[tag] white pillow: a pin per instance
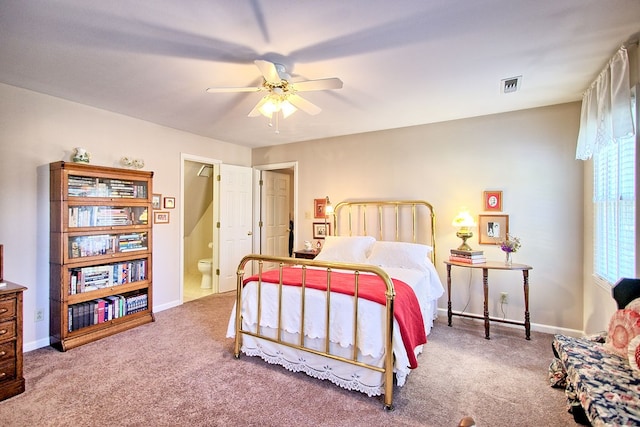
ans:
(400, 255)
(634, 305)
(352, 249)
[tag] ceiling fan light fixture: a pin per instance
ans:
(287, 109)
(268, 108)
(276, 104)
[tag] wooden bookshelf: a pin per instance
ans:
(100, 252)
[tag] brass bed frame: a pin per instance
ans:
(356, 213)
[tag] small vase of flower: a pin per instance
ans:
(509, 245)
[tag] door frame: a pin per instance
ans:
(257, 202)
(216, 199)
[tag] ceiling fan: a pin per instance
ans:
(281, 91)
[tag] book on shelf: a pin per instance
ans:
(467, 260)
(102, 310)
(460, 252)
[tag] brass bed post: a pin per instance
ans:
(328, 313)
(355, 315)
(280, 267)
(240, 275)
(388, 357)
(303, 303)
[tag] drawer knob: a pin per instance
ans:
(3, 374)
(2, 353)
(3, 331)
(3, 310)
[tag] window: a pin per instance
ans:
(614, 173)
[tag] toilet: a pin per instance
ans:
(204, 266)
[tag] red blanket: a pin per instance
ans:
(406, 309)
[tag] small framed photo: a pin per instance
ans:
(161, 217)
(319, 208)
(492, 201)
(155, 201)
(169, 202)
(321, 230)
(492, 229)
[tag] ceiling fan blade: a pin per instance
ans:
(268, 71)
(320, 84)
(304, 105)
(233, 89)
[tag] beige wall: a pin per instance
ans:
(529, 155)
(35, 130)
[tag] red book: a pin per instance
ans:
(468, 260)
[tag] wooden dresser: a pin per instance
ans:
(11, 377)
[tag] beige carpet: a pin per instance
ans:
(180, 370)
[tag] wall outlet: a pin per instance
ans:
(504, 298)
(38, 315)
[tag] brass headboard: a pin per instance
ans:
(398, 220)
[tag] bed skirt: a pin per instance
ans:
(345, 375)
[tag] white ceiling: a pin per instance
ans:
(403, 62)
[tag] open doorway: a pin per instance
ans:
(275, 208)
(198, 213)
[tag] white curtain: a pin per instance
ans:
(606, 108)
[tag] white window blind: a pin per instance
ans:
(615, 209)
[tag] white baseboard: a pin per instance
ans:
(166, 306)
(44, 342)
(537, 327)
(34, 345)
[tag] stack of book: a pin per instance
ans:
(467, 257)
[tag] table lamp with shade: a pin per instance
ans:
(328, 210)
(464, 221)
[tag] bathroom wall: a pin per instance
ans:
(196, 244)
(198, 216)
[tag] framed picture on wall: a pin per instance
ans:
(161, 217)
(319, 206)
(321, 230)
(155, 201)
(492, 229)
(492, 201)
(169, 202)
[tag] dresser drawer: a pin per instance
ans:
(7, 308)
(7, 330)
(7, 351)
(7, 370)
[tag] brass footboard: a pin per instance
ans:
(257, 262)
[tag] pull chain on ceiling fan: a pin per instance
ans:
(282, 94)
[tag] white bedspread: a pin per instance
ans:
(426, 285)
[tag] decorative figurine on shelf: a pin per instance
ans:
(81, 155)
(132, 163)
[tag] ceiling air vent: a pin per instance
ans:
(511, 84)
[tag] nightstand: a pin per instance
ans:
(492, 265)
(306, 254)
(11, 368)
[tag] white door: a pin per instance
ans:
(235, 222)
(276, 189)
